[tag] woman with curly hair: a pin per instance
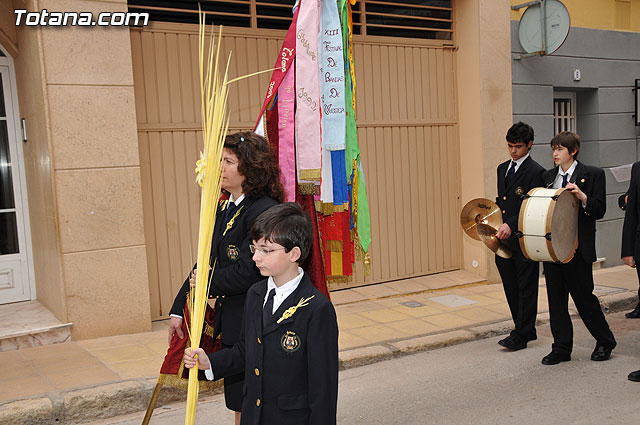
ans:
(251, 178)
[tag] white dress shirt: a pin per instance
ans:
(283, 291)
(236, 201)
(557, 183)
(518, 164)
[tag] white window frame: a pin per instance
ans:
(25, 256)
(564, 119)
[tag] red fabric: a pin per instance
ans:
(175, 352)
(335, 227)
(331, 226)
(283, 63)
(348, 252)
(313, 266)
(273, 136)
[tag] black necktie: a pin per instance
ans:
(228, 213)
(565, 177)
(512, 171)
(267, 310)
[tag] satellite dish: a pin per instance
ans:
(533, 37)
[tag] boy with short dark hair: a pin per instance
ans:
(631, 240)
(288, 346)
(516, 177)
(575, 278)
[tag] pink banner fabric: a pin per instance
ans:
(286, 147)
(283, 63)
(307, 123)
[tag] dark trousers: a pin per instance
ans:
(637, 260)
(520, 281)
(575, 278)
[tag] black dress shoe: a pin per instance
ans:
(513, 343)
(634, 376)
(503, 342)
(555, 358)
(601, 353)
(634, 314)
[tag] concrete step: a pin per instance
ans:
(30, 324)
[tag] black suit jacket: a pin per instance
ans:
(591, 181)
(291, 368)
(510, 197)
(631, 227)
(234, 271)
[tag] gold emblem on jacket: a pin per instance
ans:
(233, 252)
(290, 341)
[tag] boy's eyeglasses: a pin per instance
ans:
(262, 251)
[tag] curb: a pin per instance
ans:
(79, 406)
(124, 397)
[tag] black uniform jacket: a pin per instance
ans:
(234, 271)
(528, 176)
(291, 368)
(591, 181)
(631, 227)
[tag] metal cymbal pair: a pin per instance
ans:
(480, 219)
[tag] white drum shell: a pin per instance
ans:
(540, 217)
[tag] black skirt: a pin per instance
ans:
(233, 392)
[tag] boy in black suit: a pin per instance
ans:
(587, 184)
(631, 230)
(288, 346)
(631, 239)
(519, 275)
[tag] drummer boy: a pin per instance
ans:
(519, 276)
(587, 183)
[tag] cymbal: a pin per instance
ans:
(622, 201)
(479, 210)
(487, 235)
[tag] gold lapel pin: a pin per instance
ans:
(291, 310)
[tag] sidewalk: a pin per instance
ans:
(75, 382)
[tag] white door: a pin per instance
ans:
(14, 265)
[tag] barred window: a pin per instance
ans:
(225, 12)
(405, 18)
(564, 112)
(427, 19)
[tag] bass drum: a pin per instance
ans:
(548, 222)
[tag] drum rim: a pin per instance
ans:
(521, 215)
(575, 242)
(550, 210)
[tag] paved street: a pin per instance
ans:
(476, 383)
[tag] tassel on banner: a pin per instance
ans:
(339, 279)
(308, 189)
(329, 209)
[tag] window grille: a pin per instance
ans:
(426, 19)
(564, 112)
